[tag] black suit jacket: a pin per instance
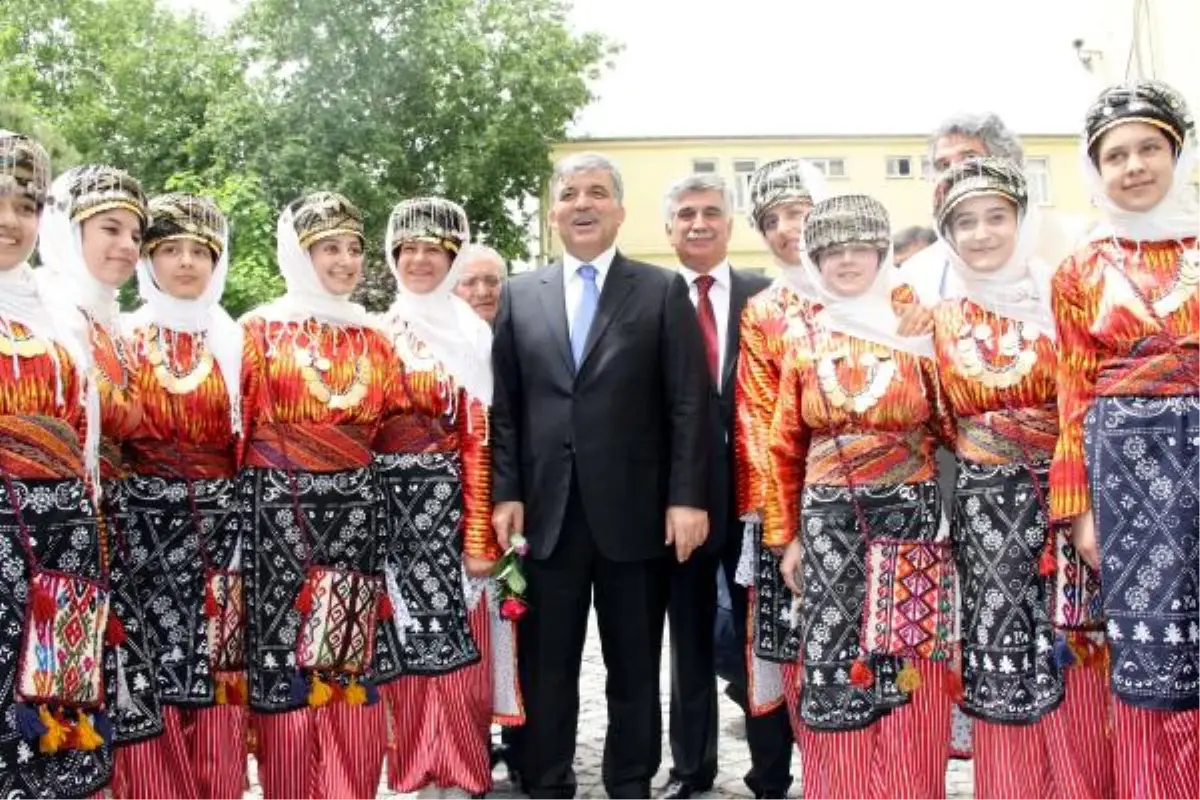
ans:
(722, 507)
(631, 424)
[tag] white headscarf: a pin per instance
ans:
(450, 328)
(202, 315)
(64, 273)
(1175, 217)
(305, 297)
(868, 316)
(1020, 289)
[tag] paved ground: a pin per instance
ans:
(733, 754)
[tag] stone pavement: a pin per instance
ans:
(732, 752)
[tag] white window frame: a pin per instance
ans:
(822, 165)
(710, 162)
(741, 182)
(895, 174)
(1037, 168)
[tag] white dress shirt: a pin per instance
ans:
(720, 294)
(573, 284)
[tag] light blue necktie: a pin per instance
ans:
(585, 312)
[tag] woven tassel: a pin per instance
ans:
(298, 690)
(114, 631)
(861, 675)
(909, 679)
(44, 605)
(320, 693)
(220, 696)
(235, 691)
(385, 606)
(86, 738)
(954, 686)
(1064, 654)
(304, 600)
(211, 609)
(372, 693)
(29, 722)
(336, 692)
(103, 726)
(356, 695)
(1047, 564)
(55, 737)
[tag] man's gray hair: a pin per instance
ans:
(585, 162)
(482, 251)
(697, 182)
(988, 128)
(914, 234)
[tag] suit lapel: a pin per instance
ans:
(554, 303)
(618, 285)
(738, 295)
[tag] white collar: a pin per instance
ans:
(602, 262)
(722, 274)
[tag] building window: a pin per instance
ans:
(1037, 175)
(899, 167)
(704, 166)
(743, 168)
(829, 167)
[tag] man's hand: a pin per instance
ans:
(687, 528)
(508, 518)
(478, 567)
(915, 320)
(1083, 537)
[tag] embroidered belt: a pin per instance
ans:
(1009, 436)
(1159, 366)
(310, 447)
(416, 433)
(36, 447)
(874, 458)
(175, 459)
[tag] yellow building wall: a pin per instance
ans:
(650, 166)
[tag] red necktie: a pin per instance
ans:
(708, 325)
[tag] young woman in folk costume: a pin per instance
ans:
(434, 466)
(323, 378)
(781, 196)
(186, 521)
(57, 661)
(89, 245)
(996, 354)
(856, 502)
(1125, 469)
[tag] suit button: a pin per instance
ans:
(569, 445)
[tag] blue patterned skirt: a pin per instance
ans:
(1142, 460)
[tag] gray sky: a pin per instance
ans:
(827, 66)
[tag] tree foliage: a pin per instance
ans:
(378, 99)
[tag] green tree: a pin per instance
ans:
(21, 118)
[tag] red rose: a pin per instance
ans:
(513, 608)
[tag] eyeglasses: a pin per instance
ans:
(488, 282)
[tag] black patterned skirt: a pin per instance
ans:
(1142, 459)
(341, 533)
(164, 536)
(423, 499)
(135, 710)
(1000, 530)
(840, 627)
(61, 520)
(776, 633)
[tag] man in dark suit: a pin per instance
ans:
(698, 211)
(600, 457)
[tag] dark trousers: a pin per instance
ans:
(694, 725)
(630, 600)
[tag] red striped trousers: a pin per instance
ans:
(200, 754)
(441, 725)
(1013, 761)
(1157, 752)
(903, 755)
(332, 751)
(1080, 736)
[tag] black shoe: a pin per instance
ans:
(678, 789)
